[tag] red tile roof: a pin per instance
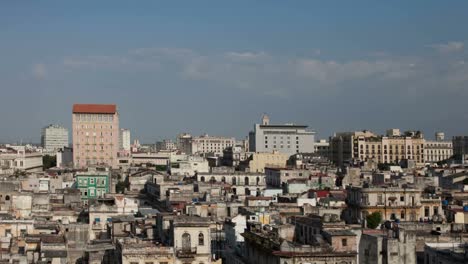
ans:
(95, 108)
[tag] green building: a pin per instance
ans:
(93, 184)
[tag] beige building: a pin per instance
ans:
(209, 144)
(95, 135)
(393, 203)
(137, 251)
(365, 145)
(19, 159)
(259, 161)
(192, 240)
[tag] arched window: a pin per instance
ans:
(258, 180)
(233, 180)
(246, 181)
(7, 198)
(201, 239)
(247, 191)
(186, 244)
(223, 179)
(212, 179)
(202, 178)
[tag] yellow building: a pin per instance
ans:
(260, 160)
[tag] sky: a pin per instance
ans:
(216, 66)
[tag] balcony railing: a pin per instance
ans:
(186, 252)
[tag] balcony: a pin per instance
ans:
(97, 227)
(186, 252)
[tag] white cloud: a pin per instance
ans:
(452, 46)
(39, 71)
(272, 75)
(245, 55)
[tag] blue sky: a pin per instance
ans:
(214, 67)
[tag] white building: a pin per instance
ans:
(288, 138)
(124, 139)
(54, 137)
(208, 144)
(438, 149)
(12, 160)
(64, 157)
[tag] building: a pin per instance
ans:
(93, 184)
(19, 159)
(460, 147)
(95, 135)
(277, 177)
(446, 253)
(364, 145)
(288, 138)
(192, 239)
(307, 239)
(184, 143)
(405, 204)
(206, 144)
(322, 148)
(438, 149)
(166, 144)
(234, 156)
(259, 160)
(64, 157)
(393, 246)
(133, 250)
(54, 137)
(124, 139)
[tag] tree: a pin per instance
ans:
(49, 161)
(373, 220)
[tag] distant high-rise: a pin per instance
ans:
(95, 135)
(287, 138)
(184, 143)
(124, 139)
(54, 137)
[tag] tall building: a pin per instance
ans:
(54, 137)
(208, 144)
(124, 139)
(95, 135)
(288, 138)
(460, 147)
(184, 143)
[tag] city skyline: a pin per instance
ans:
(190, 68)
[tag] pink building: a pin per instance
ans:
(95, 135)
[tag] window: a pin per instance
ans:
(402, 198)
(186, 244)
(426, 211)
(201, 239)
(344, 242)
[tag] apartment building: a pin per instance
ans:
(365, 145)
(438, 149)
(124, 139)
(287, 138)
(19, 159)
(210, 144)
(405, 204)
(54, 137)
(95, 135)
